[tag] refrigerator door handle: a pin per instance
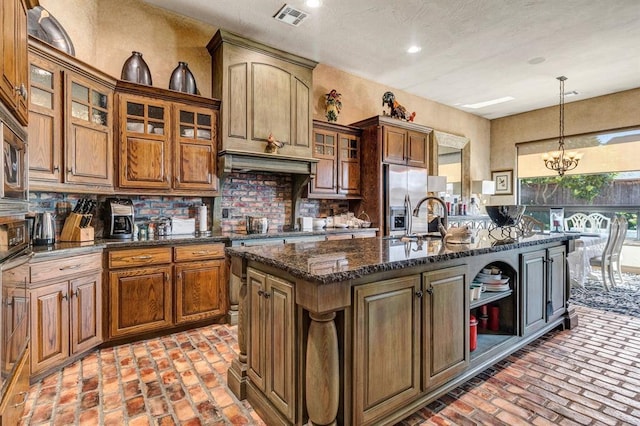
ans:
(408, 214)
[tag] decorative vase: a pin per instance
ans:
(182, 79)
(135, 69)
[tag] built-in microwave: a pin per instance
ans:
(13, 167)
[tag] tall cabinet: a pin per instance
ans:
(387, 140)
(13, 52)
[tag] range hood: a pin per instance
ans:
(247, 161)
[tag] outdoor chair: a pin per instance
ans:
(577, 222)
(617, 250)
(604, 260)
(599, 222)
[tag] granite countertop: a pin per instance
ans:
(327, 262)
(68, 248)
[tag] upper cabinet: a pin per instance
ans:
(337, 149)
(71, 123)
(13, 51)
(265, 91)
(402, 142)
(166, 140)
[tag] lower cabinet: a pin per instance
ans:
(66, 310)
(271, 332)
(543, 280)
(410, 336)
(154, 289)
(16, 393)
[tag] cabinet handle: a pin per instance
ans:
(22, 91)
(267, 295)
(430, 291)
(65, 268)
(260, 293)
(70, 170)
(76, 293)
(56, 169)
(65, 297)
(24, 398)
(419, 293)
(166, 276)
(143, 257)
(202, 252)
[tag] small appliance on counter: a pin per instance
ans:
(257, 225)
(118, 218)
(44, 229)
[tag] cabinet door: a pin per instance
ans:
(200, 290)
(13, 51)
(280, 322)
(139, 300)
(195, 149)
(349, 165)
(86, 313)
(417, 149)
(394, 145)
(445, 322)
(49, 326)
(144, 143)
(386, 347)
(556, 288)
(88, 138)
(533, 273)
(325, 149)
(256, 328)
(45, 129)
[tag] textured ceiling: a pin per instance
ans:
(472, 50)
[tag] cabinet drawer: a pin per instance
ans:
(139, 257)
(54, 269)
(198, 252)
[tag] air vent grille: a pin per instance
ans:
(290, 15)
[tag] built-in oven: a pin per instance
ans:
(14, 309)
(13, 165)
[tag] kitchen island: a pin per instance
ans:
(369, 331)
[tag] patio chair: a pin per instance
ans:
(604, 260)
(617, 250)
(598, 222)
(577, 221)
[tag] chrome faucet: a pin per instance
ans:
(442, 227)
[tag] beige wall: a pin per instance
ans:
(615, 111)
(104, 32)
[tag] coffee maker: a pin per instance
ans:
(119, 218)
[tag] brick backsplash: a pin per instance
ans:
(267, 195)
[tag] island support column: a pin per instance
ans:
(322, 379)
(237, 373)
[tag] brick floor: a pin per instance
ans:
(586, 376)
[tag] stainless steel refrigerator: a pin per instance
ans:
(404, 187)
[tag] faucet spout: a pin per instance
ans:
(442, 227)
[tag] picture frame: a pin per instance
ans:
(504, 181)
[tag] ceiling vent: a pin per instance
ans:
(291, 15)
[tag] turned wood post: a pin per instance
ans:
(237, 373)
(322, 370)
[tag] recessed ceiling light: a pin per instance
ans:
(537, 60)
(313, 3)
(571, 93)
(414, 49)
(488, 103)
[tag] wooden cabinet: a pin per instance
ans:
(387, 352)
(167, 141)
(406, 147)
(66, 310)
(337, 149)
(200, 272)
(265, 91)
(140, 294)
(543, 283)
(445, 325)
(71, 123)
(271, 331)
(13, 52)
(16, 393)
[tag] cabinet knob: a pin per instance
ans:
(260, 293)
(267, 295)
(419, 293)
(429, 290)
(22, 91)
(65, 296)
(76, 293)
(56, 169)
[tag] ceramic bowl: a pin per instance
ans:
(505, 215)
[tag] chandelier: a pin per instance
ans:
(559, 160)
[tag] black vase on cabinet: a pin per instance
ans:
(136, 70)
(182, 79)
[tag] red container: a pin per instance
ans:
(494, 318)
(473, 333)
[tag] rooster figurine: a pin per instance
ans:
(396, 110)
(272, 145)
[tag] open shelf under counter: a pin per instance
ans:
(489, 341)
(490, 296)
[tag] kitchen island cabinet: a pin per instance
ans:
(385, 329)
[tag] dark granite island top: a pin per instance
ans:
(359, 257)
(368, 331)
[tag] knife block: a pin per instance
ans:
(72, 232)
